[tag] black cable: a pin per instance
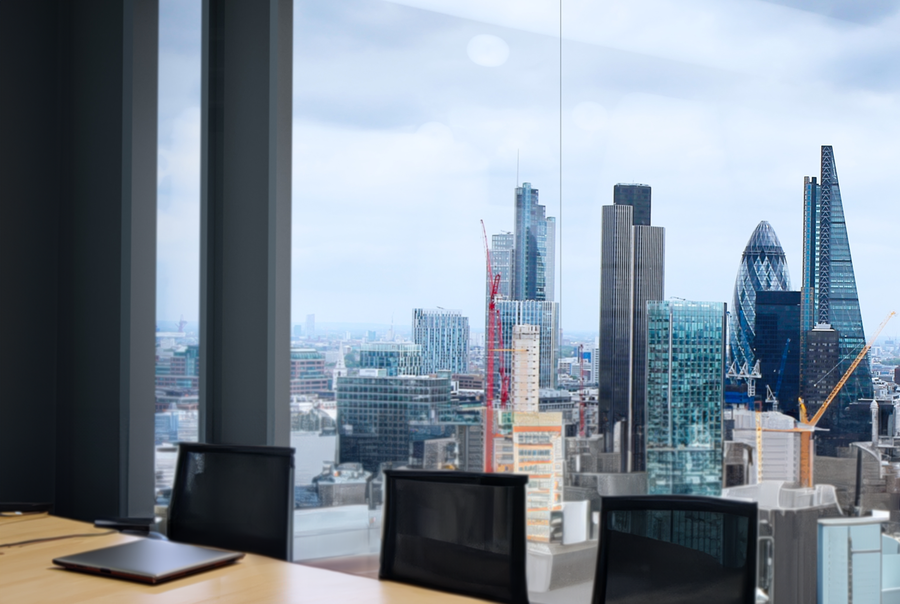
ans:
(42, 539)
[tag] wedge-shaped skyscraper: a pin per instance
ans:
(829, 294)
(763, 268)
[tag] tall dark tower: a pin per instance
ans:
(829, 297)
(631, 273)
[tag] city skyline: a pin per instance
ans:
(688, 123)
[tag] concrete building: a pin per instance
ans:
(538, 445)
(526, 374)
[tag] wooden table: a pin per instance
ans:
(27, 575)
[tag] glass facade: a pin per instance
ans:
(396, 358)
(778, 339)
(444, 338)
(763, 268)
(830, 294)
(533, 261)
(685, 388)
(378, 417)
(545, 315)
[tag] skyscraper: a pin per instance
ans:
(444, 338)
(685, 391)
(544, 315)
(526, 368)
(632, 271)
(502, 245)
(777, 339)
(532, 260)
(763, 268)
(829, 293)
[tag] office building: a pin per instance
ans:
(396, 358)
(532, 258)
(544, 315)
(820, 357)
(685, 389)
(307, 371)
(374, 414)
(638, 197)
(310, 326)
(763, 268)
(632, 272)
(777, 347)
(538, 452)
(526, 368)
(829, 286)
(502, 246)
(443, 336)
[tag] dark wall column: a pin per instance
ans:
(79, 97)
(245, 222)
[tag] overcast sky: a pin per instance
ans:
(408, 116)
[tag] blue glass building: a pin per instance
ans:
(531, 312)
(396, 358)
(763, 268)
(444, 338)
(685, 390)
(829, 293)
(533, 249)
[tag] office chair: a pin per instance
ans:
(460, 532)
(234, 497)
(670, 549)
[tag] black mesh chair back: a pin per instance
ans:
(460, 532)
(234, 497)
(676, 550)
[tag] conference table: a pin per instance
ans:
(27, 575)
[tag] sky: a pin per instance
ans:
(409, 116)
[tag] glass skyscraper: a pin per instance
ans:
(829, 285)
(533, 258)
(763, 268)
(444, 338)
(685, 391)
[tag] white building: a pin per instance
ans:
(526, 368)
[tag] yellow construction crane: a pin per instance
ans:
(806, 478)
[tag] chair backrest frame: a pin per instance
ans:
(683, 503)
(174, 524)
(517, 578)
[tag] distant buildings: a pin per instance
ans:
(763, 268)
(310, 326)
(502, 246)
(685, 388)
(443, 336)
(396, 358)
(307, 371)
(829, 297)
(632, 272)
(374, 415)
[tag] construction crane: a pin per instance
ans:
(806, 435)
(772, 397)
(746, 374)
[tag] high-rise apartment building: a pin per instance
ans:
(685, 392)
(829, 293)
(526, 368)
(632, 272)
(396, 358)
(532, 257)
(763, 268)
(777, 346)
(543, 315)
(374, 415)
(444, 338)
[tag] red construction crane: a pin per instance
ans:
(490, 345)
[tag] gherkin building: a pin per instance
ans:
(763, 268)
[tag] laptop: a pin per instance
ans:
(148, 560)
